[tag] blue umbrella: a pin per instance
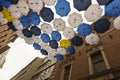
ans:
(45, 37)
(81, 5)
(34, 18)
(1, 8)
(84, 29)
(11, 26)
(5, 3)
(113, 9)
(14, 1)
(36, 46)
(77, 41)
(56, 35)
(47, 14)
(53, 44)
(103, 2)
(35, 30)
(62, 8)
(71, 49)
(27, 33)
(44, 52)
(25, 21)
(102, 25)
(59, 57)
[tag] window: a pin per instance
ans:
(98, 62)
(67, 72)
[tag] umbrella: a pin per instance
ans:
(56, 35)
(102, 25)
(35, 30)
(71, 49)
(23, 7)
(5, 3)
(93, 13)
(11, 26)
(65, 43)
(25, 21)
(59, 57)
(113, 9)
(92, 39)
(61, 51)
(62, 8)
(28, 40)
(53, 44)
(47, 14)
(20, 34)
(36, 39)
(1, 8)
(35, 5)
(44, 52)
(84, 29)
(14, 11)
(2, 19)
(75, 19)
(49, 2)
(51, 51)
(50, 57)
(68, 32)
(77, 41)
(59, 24)
(117, 23)
(46, 28)
(27, 33)
(103, 2)
(81, 5)
(17, 24)
(14, 1)
(44, 45)
(45, 37)
(36, 46)
(34, 18)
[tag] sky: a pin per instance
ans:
(21, 54)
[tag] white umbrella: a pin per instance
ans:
(49, 2)
(51, 51)
(46, 28)
(14, 11)
(28, 40)
(36, 39)
(92, 39)
(59, 24)
(35, 5)
(20, 34)
(93, 13)
(51, 57)
(69, 32)
(2, 19)
(17, 24)
(75, 19)
(61, 51)
(23, 7)
(117, 23)
(44, 45)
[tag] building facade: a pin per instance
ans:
(93, 62)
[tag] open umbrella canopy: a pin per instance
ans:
(77, 41)
(64, 43)
(75, 19)
(23, 7)
(84, 29)
(62, 8)
(46, 28)
(11, 26)
(71, 49)
(81, 5)
(44, 52)
(56, 35)
(68, 33)
(47, 14)
(25, 21)
(49, 2)
(53, 44)
(28, 40)
(14, 11)
(103, 2)
(51, 51)
(113, 9)
(45, 37)
(5, 3)
(2, 19)
(17, 24)
(92, 39)
(35, 30)
(117, 23)
(102, 25)
(44, 45)
(59, 24)
(93, 13)
(59, 57)
(34, 18)
(20, 34)
(61, 51)
(14, 1)
(27, 33)
(36, 39)
(35, 5)
(36, 46)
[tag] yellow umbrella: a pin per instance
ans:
(65, 43)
